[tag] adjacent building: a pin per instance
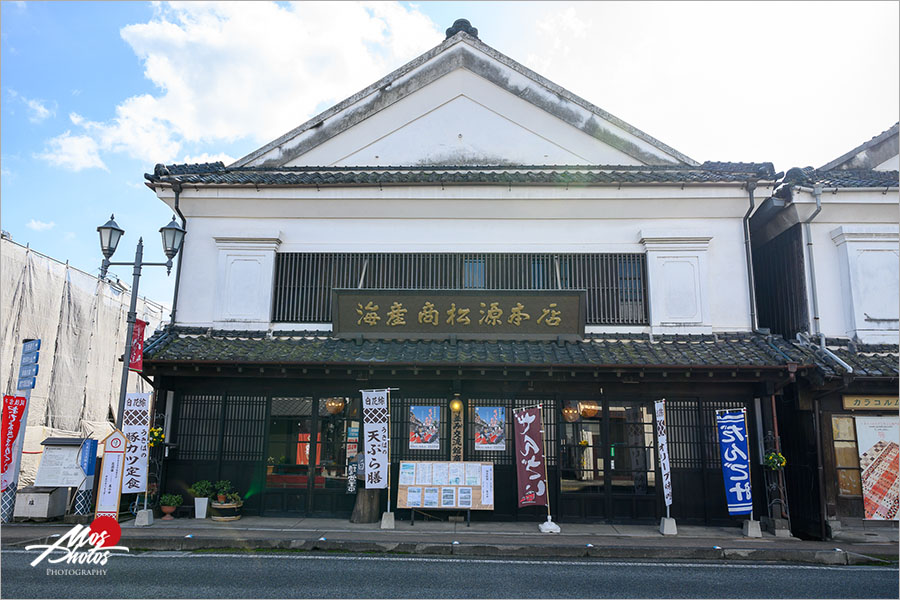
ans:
(825, 248)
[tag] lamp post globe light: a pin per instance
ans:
(110, 234)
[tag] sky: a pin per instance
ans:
(94, 94)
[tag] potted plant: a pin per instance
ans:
(223, 488)
(229, 510)
(168, 503)
(201, 491)
(775, 461)
(270, 465)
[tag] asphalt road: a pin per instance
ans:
(304, 575)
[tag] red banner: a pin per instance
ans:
(136, 358)
(530, 467)
(13, 409)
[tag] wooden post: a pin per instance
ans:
(367, 507)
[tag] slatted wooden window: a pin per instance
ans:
(199, 419)
(780, 277)
(616, 284)
(693, 441)
(245, 419)
(208, 424)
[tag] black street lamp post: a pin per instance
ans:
(110, 234)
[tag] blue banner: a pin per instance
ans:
(735, 449)
(88, 459)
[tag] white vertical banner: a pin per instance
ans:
(109, 492)
(662, 446)
(375, 437)
(136, 427)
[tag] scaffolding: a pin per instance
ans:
(81, 322)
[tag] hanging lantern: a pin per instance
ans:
(588, 409)
(570, 413)
(334, 405)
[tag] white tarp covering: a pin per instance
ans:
(81, 323)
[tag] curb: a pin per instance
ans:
(159, 543)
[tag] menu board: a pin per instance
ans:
(449, 485)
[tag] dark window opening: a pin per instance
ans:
(616, 284)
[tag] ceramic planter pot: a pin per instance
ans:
(225, 511)
(167, 512)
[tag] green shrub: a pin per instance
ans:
(171, 500)
(223, 487)
(201, 489)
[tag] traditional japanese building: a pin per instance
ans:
(464, 228)
(826, 257)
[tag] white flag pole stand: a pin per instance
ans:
(547, 526)
(667, 525)
(750, 528)
(387, 519)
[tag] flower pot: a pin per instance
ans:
(225, 511)
(200, 507)
(221, 498)
(167, 512)
(269, 469)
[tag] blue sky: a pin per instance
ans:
(93, 94)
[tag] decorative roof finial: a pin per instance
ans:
(462, 25)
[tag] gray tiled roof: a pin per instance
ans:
(733, 350)
(867, 360)
(723, 350)
(843, 178)
(218, 174)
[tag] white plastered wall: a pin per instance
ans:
(495, 219)
(854, 225)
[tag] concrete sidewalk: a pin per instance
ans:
(499, 539)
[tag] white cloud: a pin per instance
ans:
(37, 109)
(36, 225)
(252, 70)
(37, 112)
(135, 130)
(73, 152)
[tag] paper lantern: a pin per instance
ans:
(588, 409)
(334, 405)
(570, 414)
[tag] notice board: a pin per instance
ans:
(59, 467)
(457, 485)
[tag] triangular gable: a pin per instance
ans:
(464, 103)
(881, 153)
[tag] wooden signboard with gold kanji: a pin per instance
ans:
(446, 485)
